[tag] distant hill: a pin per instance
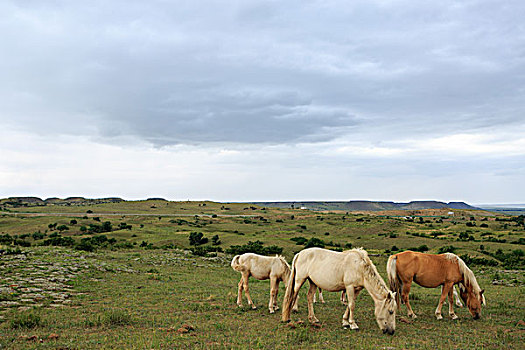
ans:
(35, 201)
(368, 205)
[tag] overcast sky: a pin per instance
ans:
(263, 100)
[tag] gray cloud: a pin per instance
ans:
(262, 71)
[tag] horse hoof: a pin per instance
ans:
(412, 316)
(439, 317)
(454, 317)
(276, 308)
(272, 311)
(254, 307)
(346, 326)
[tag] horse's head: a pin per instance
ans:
(473, 300)
(386, 314)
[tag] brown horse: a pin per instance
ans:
(431, 271)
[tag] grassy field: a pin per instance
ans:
(156, 294)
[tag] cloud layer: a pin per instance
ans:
(316, 86)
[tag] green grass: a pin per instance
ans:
(142, 298)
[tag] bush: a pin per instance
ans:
(477, 261)
(38, 235)
(197, 238)
(314, 242)
(299, 240)
(117, 317)
(256, 247)
(22, 243)
(421, 248)
(62, 228)
(59, 241)
(25, 320)
(6, 239)
(215, 240)
(447, 249)
(204, 250)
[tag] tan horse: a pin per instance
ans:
(262, 268)
(352, 271)
(431, 271)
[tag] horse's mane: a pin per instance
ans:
(371, 273)
(283, 260)
(468, 276)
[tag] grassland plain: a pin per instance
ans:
(153, 297)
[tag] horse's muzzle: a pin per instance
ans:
(389, 331)
(477, 316)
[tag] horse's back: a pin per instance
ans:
(326, 268)
(427, 269)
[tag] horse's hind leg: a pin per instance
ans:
(245, 277)
(404, 297)
(321, 298)
(450, 302)
(444, 291)
(456, 297)
(310, 297)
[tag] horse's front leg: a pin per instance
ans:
(310, 297)
(245, 277)
(348, 317)
(274, 288)
(444, 291)
(404, 297)
(239, 292)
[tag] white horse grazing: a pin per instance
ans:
(262, 268)
(350, 270)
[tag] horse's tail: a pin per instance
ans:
(288, 295)
(235, 264)
(393, 280)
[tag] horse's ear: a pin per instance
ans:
(482, 291)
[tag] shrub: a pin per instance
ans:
(394, 248)
(299, 240)
(215, 240)
(421, 248)
(203, 250)
(447, 249)
(477, 261)
(348, 246)
(256, 247)
(197, 238)
(59, 241)
(73, 222)
(21, 243)
(315, 242)
(25, 320)
(6, 239)
(117, 317)
(38, 235)
(62, 228)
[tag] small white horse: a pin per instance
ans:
(351, 270)
(262, 268)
